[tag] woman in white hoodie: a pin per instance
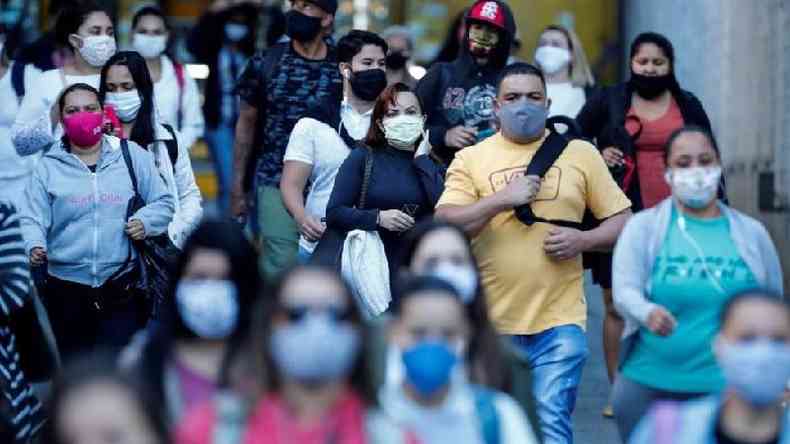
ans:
(126, 86)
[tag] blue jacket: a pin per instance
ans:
(79, 217)
(692, 422)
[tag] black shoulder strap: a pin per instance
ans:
(127, 158)
(18, 79)
(272, 58)
(172, 146)
(363, 195)
(541, 162)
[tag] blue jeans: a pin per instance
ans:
(556, 358)
(303, 256)
(220, 144)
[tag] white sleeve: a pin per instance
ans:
(301, 144)
(514, 427)
(190, 200)
(32, 129)
(193, 125)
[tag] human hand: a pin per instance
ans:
(135, 229)
(521, 190)
(238, 203)
(661, 322)
(311, 228)
(612, 156)
(460, 137)
(38, 256)
(395, 220)
(564, 243)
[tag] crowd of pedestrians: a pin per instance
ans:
(397, 260)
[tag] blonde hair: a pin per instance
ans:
(581, 74)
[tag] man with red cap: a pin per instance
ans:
(459, 96)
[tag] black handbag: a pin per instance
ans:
(329, 250)
(151, 273)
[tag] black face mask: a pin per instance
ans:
(368, 84)
(396, 60)
(301, 27)
(651, 87)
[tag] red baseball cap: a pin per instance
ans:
(488, 11)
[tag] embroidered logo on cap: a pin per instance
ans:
(490, 10)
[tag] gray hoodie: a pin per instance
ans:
(79, 217)
(639, 245)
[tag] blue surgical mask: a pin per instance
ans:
(208, 307)
(236, 32)
(315, 349)
(429, 365)
(757, 370)
(523, 121)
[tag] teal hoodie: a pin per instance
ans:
(79, 216)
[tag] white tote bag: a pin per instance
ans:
(364, 266)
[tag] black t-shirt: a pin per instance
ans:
(92, 168)
(722, 438)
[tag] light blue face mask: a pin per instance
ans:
(315, 349)
(523, 121)
(235, 32)
(757, 370)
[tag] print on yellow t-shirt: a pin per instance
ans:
(528, 292)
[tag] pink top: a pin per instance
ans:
(650, 151)
(272, 423)
(194, 387)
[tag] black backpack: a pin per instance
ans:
(544, 158)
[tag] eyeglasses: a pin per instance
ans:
(296, 313)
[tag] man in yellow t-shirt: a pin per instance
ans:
(533, 275)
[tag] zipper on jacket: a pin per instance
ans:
(95, 227)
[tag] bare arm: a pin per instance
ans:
(242, 149)
(292, 185)
(603, 238)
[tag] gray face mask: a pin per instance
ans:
(523, 121)
(315, 349)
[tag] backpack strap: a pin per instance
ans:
(181, 81)
(18, 79)
(541, 162)
(172, 146)
(487, 414)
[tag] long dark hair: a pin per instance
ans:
(375, 137)
(485, 353)
(144, 132)
(102, 369)
(361, 377)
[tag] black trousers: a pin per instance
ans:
(84, 318)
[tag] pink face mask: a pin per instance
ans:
(84, 128)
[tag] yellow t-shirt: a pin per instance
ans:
(528, 292)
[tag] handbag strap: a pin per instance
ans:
(363, 196)
(127, 159)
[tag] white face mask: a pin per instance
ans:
(552, 59)
(97, 49)
(149, 46)
(694, 187)
(462, 277)
(402, 131)
(208, 307)
(126, 104)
